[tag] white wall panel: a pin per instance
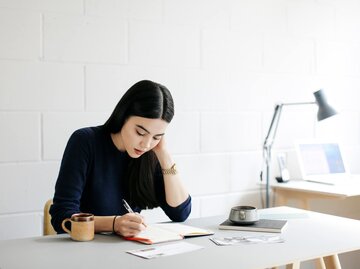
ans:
(26, 187)
(347, 20)
(338, 58)
(222, 47)
(202, 12)
(289, 55)
(183, 133)
(16, 29)
(311, 19)
(154, 44)
(202, 90)
(85, 39)
(71, 6)
(259, 16)
(41, 86)
(134, 9)
(245, 170)
(230, 132)
(12, 226)
(20, 138)
(119, 8)
(205, 174)
(344, 128)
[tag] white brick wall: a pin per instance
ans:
(338, 57)
(157, 44)
(15, 224)
(136, 9)
(288, 54)
(234, 49)
(65, 64)
(41, 86)
(200, 13)
(17, 145)
(309, 19)
(260, 16)
(225, 132)
(25, 187)
(67, 6)
(18, 28)
(85, 39)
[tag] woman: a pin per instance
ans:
(126, 158)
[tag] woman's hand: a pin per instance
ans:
(163, 154)
(129, 225)
(160, 147)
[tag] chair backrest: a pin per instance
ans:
(48, 228)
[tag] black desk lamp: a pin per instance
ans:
(325, 111)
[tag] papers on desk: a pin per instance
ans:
(165, 250)
(251, 239)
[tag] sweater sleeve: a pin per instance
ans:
(71, 179)
(179, 213)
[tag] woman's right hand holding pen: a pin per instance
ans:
(129, 225)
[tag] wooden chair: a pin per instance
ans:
(48, 228)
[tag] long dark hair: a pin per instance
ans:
(146, 99)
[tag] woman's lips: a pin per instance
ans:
(138, 152)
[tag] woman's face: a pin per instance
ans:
(139, 135)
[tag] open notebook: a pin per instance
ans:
(164, 232)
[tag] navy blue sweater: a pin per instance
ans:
(91, 180)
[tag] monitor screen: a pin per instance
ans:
(321, 159)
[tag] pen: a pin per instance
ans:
(129, 209)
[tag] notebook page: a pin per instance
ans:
(153, 234)
(184, 230)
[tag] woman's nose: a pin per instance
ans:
(145, 143)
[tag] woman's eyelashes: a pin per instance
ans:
(143, 134)
(140, 133)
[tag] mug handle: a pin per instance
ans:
(63, 225)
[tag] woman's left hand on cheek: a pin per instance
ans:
(163, 155)
(161, 146)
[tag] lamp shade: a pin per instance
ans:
(325, 110)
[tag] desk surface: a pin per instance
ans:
(309, 236)
(340, 191)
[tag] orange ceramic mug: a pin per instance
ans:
(82, 226)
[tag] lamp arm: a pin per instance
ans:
(327, 111)
(299, 103)
(269, 139)
(275, 121)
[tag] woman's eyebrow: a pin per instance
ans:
(141, 127)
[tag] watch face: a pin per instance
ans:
(171, 171)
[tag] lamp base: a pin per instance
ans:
(281, 180)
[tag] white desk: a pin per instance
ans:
(304, 191)
(306, 238)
